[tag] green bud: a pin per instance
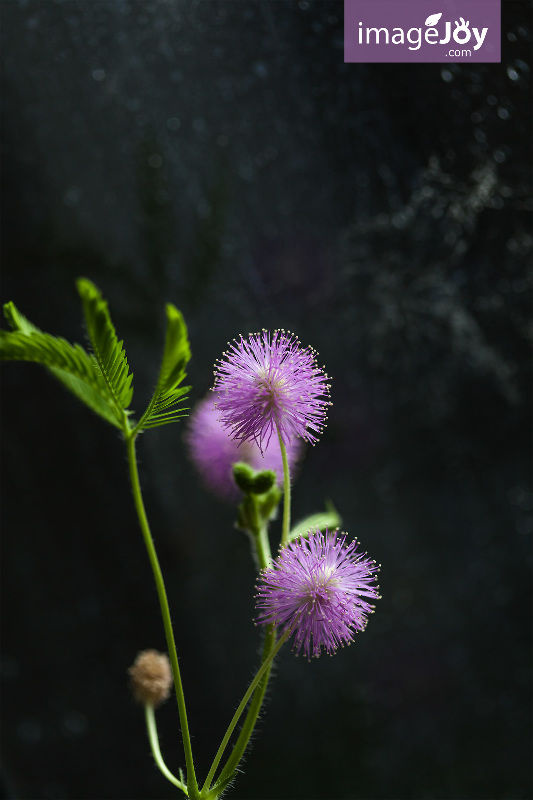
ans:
(244, 476)
(251, 482)
(263, 482)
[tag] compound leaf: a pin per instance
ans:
(17, 321)
(109, 354)
(70, 364)
(168, 395)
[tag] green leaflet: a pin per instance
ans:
(108, 351)
(17, 321)
(103, 381)
(70, 364)
(162, 409)
(324, 519)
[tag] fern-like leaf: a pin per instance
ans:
(70, 364)
(17, 321)
(168, 394)
(108, 351)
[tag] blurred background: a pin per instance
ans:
(221, 156)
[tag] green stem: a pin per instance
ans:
(242, 705)
(286, 494)
(262, 547)
(258, 529)
(165, 611)
(156, 752)
(253, 712)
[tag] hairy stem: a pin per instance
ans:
(156, 752)
(165, 612)
(253, 712)
(263, 548)
(242, 705)
(264, 558)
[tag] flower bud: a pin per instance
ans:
(151, 677)
(251, 482)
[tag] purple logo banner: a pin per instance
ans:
(422, 31)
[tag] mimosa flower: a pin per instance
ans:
(318, 587)
(269, 383)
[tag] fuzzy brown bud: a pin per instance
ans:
(151, 677)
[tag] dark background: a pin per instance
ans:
(221, 156)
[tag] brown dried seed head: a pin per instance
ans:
(151, 677)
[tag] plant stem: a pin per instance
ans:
(156, 752)
(253, 712)
(242, 705)
(286, 494)
(165, 612)
(262, 547)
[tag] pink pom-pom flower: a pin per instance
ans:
(319, 588)
(269, 383)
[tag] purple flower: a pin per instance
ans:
(269, 383)
(215, 453)
(317, 588)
